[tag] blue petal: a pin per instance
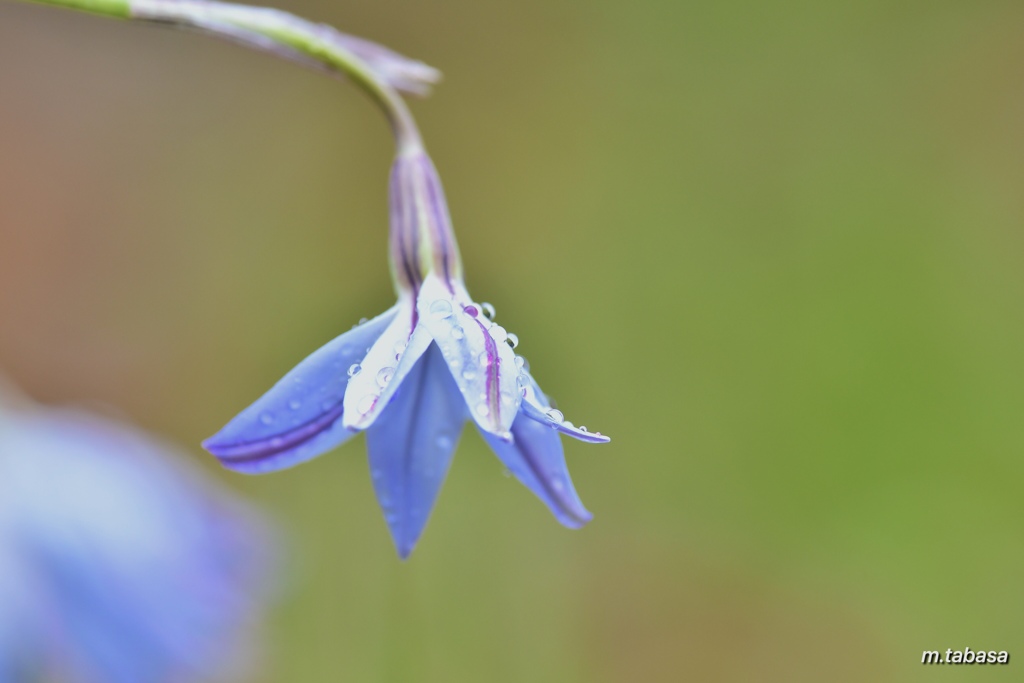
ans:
(299, 418)
(536, 458)
(411, 446)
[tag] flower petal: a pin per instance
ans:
(411, 447)
(386, 364)
(484, 368)
(536, 458)
(537, 407)
(298, 418)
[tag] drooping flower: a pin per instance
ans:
(117, 562)
(411, 378)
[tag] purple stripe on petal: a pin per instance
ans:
(298, 418)
(484, 369)
(491, 369)
(442, 224)
(264, 448)
(403, 228)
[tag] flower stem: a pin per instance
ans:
(268, 30)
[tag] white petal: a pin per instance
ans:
(484, 368)
(387, 362)
(536, 407)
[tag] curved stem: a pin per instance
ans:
(268, 30)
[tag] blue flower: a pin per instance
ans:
(410, 378)
(117, 564)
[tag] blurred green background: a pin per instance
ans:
(774, 249)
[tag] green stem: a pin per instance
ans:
(268, 30)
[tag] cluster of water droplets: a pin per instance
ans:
(484, 314)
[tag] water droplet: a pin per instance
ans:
(294, 404)
(354, 369)
(555, 415)
(507, 397)
(266, 418)
(513, 339)
(522, 381)
(582, 428)
(363, 320)
(484, 359)
(471, 311)
(400, 346)
(384, 376)
(440, 309)
(498, 333)
(366, 403)
(489, 311)
(598, 434)
(482, 410)
(557, 484)
(444, 441)
(468, 375)
(458, 333)
(568, 424)
(520, 362)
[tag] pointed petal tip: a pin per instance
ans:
(580, 518)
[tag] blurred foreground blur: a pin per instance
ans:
(119, 563)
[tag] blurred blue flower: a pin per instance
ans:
(117, 562)
(411, 378)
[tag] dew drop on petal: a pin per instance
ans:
(555, 415)
(522, 381)
(507, 397)
(468, 375)
(458, 333)
(400, 346)
(266, 418)
(482, 410)
(294, 404)
(444, 441)
(488, 310)
(366, 403)
(557, 484)
(384, 376)
(440, 309)
(354, 369)
(363, 320)
(582, 428)
(471, 311)
(484, 359)
(568, 424)
(520, 362)
(498, 333)
(513, 339)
